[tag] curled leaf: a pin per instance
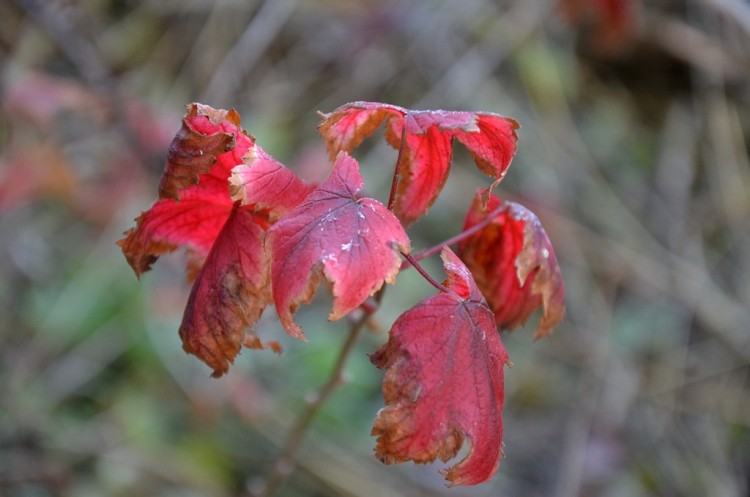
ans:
(352, 242)
(206, 136)
(225, 240)
(424, 140)
(194, 221)
(444, 382)
(514, 265)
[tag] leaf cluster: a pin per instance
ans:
(257, 236)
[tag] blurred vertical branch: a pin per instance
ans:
(56, 19)
(249, 48)
(283, 466)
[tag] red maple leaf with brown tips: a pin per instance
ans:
(514, 264)
(195, 210)
(444, 381)
(334, 234)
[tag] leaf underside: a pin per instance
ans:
(514, 265)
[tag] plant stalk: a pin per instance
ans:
(425, 274)
(283, 466)
(455, 239)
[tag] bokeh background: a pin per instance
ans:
(633, 152)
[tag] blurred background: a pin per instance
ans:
(633, 152)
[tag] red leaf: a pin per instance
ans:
(194, 221)
(210, 141)
(231, 288)
(353, 242)
(444, 382)
(267, 184)
(424, 140)
(514, 265)
(204, 151)
(229, 294)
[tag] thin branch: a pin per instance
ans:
(83, 54)
(455, 239)
(284, 465)
(425, 274)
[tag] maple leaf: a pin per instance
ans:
(231, 287)
(267, 184)
(514, 265)
(424, 140)
(444, 382)
(207, 147)
(352, 242)
(207, 136)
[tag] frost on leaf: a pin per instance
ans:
(424, 140)
(514, 265)
(444, 382)
(225, 240)
(352, 242)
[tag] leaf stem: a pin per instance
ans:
(283, 466)
(456, 238)
(397, 169)
(411, 260)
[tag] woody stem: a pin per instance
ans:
(284, 464)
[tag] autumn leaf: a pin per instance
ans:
(207, 136)
(353, 242)
(231, 287)
(207, 147)
(424, 140)
(514, 265)
(229, 293)
(444, 382)
(267, 184)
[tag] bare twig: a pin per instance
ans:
(425, 274)
(456, 238)
(284, 465)
(80, 51)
